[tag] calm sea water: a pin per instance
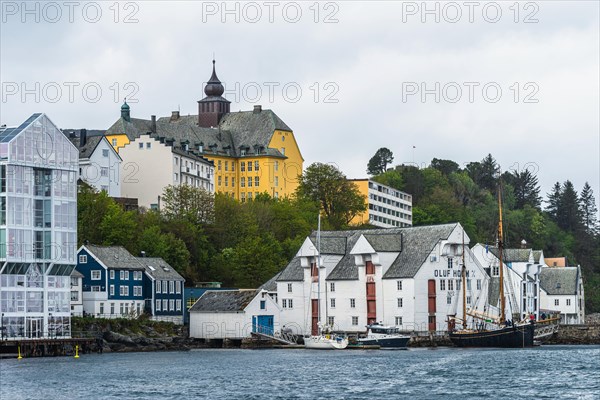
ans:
(548, 372)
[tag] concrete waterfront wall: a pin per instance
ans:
(576, 334)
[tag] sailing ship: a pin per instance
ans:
(325, 339)
(491, 331)
(386, 337)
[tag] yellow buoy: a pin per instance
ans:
(19, 350)
(76, 351)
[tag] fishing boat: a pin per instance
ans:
(325, 339)
(386, 337)
(490, 331)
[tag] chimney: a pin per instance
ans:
(82, 137)
(257, 109)
(523, 244)
(153, 123)
(174, 115)
(142, 253)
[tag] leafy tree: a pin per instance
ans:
(91, 209)
(484, 173)
(414, 182)
(339, 199)
(588, 208)
(379, 162)
(391, 178)
(257, 259)
(118, 227)
(446, 167)
(192, 203)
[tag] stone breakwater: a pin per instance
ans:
(576, 334)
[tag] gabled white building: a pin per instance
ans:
(150, 165)
(234, 314)
(38, 229)
(408, 277)
(522, 269)
(99, 163)
(562, 291)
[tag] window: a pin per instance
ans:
(226, 181)
(468, 284)
(164, 286)
(330, 321)
(157, 286)
(141, 146)
(352, 303)
(157, 307)
(95, 275)
(124, 290)
(232, 181)
(284, 303)
(332, 286)
(137, 291)
(101, 308)
(112, 274)
(171, 286)
(442, 284)
(249, 181)
(226, 165)
(289, 285)
(287, 303)
(495, 271)
(121, 306)
(178, 287)
(556, 302)
(282, 151)
(249, 166)
(249, 195)
(256, 181)
(95, 288)
(468, 299)
(568, 302)
(276, 181)
(450, 284)
(448, 300)
(219, 165)
(82, 259)
(263, 304)
(103, 171)
(219, 180)
(165, 305)
(114, 142)
(450, 262)
(256, 165)
(399, 285)
(74, 295)
(332, 303)
(171, 305)
(112, 290)
(178, 303)
(176, 177)
(124, 275)
(104, 152)
(355, 321)
(137, 275)
(112, 308)
(243, 165)
(398, 321)
(242, 182)
(400, 302)
(148, 145)
(478, 284)
(276, 167)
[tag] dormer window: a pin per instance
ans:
(242, 152)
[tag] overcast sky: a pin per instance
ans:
(456, 80)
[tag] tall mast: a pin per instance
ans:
(319, 269)
(464, 283)
(500, 255)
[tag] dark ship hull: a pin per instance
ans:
(511, 336)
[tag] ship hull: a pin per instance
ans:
(511, 337)
(386, 343)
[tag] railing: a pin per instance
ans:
(285, 335)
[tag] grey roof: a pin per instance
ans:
(559, 280)
(88, 148)
(213, 301)
(245, 129)
(76, 274)
(271, 284)
(512, 255)
(413, 244)
(292, 272)
(417, 244)
(537, 255)
(159, 269)
(115, 257)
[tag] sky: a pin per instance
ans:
(449, 80)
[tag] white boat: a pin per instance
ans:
(325, 342)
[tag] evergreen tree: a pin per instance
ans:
(569, 213)
(379, 162)
(527, 190)
(488, 173)
(588, 209)
(554, 201)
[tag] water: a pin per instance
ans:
(548, 372)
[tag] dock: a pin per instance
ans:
(46, 347)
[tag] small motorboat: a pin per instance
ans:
(386, 337)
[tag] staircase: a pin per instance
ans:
(265, 332)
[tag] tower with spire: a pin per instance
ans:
(212, 108)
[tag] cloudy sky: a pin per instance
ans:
(451, 80)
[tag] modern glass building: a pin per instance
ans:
(38, 229)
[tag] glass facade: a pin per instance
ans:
(38, 229)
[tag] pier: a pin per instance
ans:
(47, 347)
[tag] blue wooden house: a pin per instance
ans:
(113, 281)
(163, 290)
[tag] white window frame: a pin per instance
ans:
(289, 287)
(157, 306)
(123, 290)
(178, 304)
(354, 321)
(112, 290)
(93, 275)
(352, 303)
(157, 284)
(398, 321)
(332, 303)
(400, 302)
(178, 287)
(171, 305)
(332, 286)
(112, 274)
(171, 287)
(399, 285)
(83, 259)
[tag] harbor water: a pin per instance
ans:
(547, 372)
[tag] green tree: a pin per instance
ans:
(588, 209)
(379, 162)
(569, 212)
(391, 178)
(118, 227)
(446, 167)
(256, 260)
(192, 203)
(526, 188)
(91, 209)
(554, 201)
(339, 199)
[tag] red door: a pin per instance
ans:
(431, 308)
(371, 303)
(315, 316)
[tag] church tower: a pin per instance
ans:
(212, 108)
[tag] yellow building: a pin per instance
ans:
(386, 207)
(253, 151)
